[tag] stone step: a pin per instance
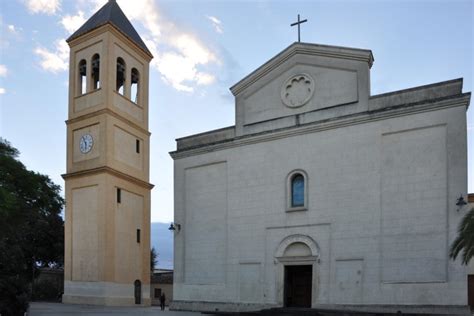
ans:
(315, 312)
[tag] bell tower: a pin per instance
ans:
(107, 228)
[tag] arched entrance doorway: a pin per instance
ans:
(297, 257)
(138, 291)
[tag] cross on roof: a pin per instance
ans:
(298, 23)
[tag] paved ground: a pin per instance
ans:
(57, 309)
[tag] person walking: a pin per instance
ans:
(162, 301)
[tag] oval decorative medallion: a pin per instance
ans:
(297, 90)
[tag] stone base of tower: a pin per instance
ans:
(104, 293)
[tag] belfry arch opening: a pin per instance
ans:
(82, 77)
(120, 76)
(135, 85)
(95, 64)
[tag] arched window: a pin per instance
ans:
(297, 191)
(82, 78)
(96, 71)
(120, 80)
(135, 85)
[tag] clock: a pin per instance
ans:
(86, 143)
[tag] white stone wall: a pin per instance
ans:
(414, 199)
(206, 217)
(333, 87)
(381, 210)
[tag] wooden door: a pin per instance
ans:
(138, 291)
(298, 284)
(470, 290)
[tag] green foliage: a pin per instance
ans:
(13, 295)
(153, 259)
(47, 290)
(465, 240)
(31, 228)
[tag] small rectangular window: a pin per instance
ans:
(119, 195)
(138, 236)
(137, 146)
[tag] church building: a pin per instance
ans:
(107, 217)
(322, 194)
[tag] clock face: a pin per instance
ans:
(86, 143)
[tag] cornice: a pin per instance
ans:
(354, 119)
(111, 113)
(109, 170)
(305, 49)
(112, 29)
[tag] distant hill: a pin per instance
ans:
(162, 240)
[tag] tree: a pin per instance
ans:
(153, 259)
(31, 228)
(465, 240)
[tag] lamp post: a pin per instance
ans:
(460, 202)
(175, 227)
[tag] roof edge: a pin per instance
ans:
(302, 48)
(458, 81)
(146, 52)
(111, 13)
(326, 124)
(206, 133)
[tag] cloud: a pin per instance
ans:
(9, 32)
(43, 6)
(203, 78)
(14, 31)
(181, 57)
(193, 49)
(179, 71)
(2, 91)
(56, 60)
(216, 23)
(72, 23)
(147, 13)
(3, 71)
(179, 66)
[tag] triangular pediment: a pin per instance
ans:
(303, 49)
(303, 82)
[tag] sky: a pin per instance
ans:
(201, 49)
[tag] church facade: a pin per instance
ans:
(323, 195)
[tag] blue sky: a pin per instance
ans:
(202, 48)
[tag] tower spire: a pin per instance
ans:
(111, 13)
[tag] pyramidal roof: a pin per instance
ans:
(111, 13)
